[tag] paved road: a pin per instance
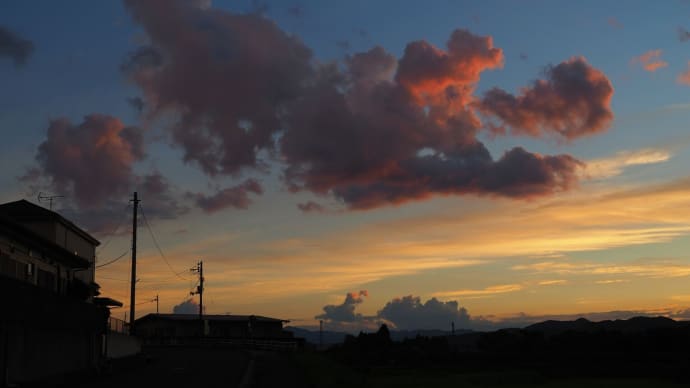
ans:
(207, 367)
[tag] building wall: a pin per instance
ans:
(73, 242)
(43, 334)
(32, 266)
(45, 229)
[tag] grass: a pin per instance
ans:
(322, 372)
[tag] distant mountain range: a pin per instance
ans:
(632, 325)
(549, 328)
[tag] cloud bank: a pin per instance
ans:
(410, 313)
(371, 131)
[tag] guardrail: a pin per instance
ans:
(259, 344)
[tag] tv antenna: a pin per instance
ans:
(48, 198)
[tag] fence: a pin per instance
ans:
(118, 326)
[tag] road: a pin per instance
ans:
(188, 366)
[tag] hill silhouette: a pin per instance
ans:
(635, 324)
(648, 347)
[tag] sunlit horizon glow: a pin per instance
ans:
(500, 164)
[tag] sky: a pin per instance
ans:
(487, 163)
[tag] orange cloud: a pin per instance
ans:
(684, 77)
(650, 61)
(485, 292)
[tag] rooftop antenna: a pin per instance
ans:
(49, 198)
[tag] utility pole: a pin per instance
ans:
(320, 334)
(132, 296)
(200, 290)
(156, 303)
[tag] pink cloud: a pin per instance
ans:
(650, 61)
(93, 160)
(92, 165)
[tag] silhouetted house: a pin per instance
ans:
(171, 328)
(48, 324)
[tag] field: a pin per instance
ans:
(321, 371)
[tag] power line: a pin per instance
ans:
(112, 234)
(137, 304)
(155, 242)
(107, 278)
(113, 260)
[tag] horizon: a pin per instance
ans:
(412, 164)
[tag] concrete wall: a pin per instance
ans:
(122, 345)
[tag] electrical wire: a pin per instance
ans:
(160, 251)
(136, 304)
(107, 278)
(113, 260)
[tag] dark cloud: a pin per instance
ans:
(573, 101)
(187, 307)
(137, 103)
(14, 47)
(344, 312)
(226, 89)
(409, 313)
(683, 34)
(370, 131)
(296, 11)
(236, 197)
(144, 59)
(158, 197)
(311, 207)
(343, 44)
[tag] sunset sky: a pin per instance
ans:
(488, 163)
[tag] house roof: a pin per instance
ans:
(209, 317)
(24, 210)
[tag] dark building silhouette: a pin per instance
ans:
(180, 328)
(49, 323)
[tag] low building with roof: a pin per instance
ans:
(181, 328)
